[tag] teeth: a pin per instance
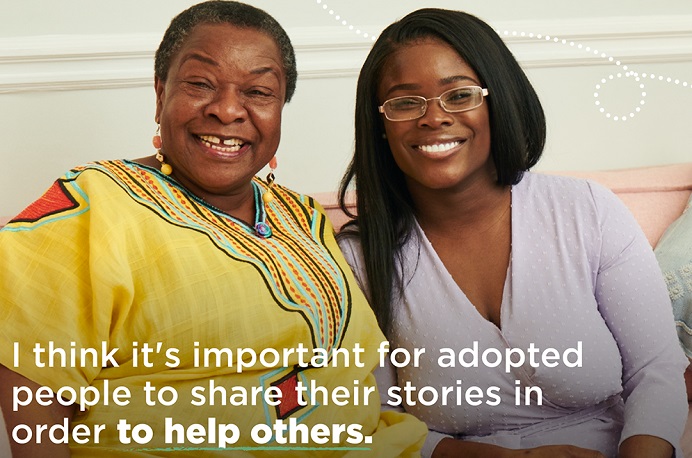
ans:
(438, 148)
(215, 143)
(210, 139)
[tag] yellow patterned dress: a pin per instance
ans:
(130, 284)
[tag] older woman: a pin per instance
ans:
(157, 284)
(461, 249)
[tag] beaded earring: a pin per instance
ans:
(166, 169)
(268, 196)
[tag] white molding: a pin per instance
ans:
(632, 40)
(76, 62)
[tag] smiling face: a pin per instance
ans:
(439, 150)
(220, 109)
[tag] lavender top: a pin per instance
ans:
(581, 270)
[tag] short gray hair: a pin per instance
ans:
(225, 12)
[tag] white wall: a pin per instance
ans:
(76, 82)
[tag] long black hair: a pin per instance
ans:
(385, 214)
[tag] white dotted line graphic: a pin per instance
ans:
(623, 70)
(345, 23)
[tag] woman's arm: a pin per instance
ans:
(456, 448)
(633, 300)
(643, 446)
(31, 415)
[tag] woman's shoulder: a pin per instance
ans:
(349, 242)
(570, 198)
(105, 170)
(564, 188)
(74, 194)
(549, 181)
(110, 165)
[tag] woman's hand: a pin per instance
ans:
(456, 448)
(31, 415)
(557, 451)
(643, 446)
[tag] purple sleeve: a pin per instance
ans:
(634, 302)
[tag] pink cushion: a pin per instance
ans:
(656, 196)
(330, 203)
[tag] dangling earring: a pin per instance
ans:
(166, 169)
(268, 195)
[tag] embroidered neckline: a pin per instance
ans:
(298, 267)
(260, 226)
(262, 229)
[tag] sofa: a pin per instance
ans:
(656, 196)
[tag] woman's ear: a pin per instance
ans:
(160, 88)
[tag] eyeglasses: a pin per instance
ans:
(414, 106)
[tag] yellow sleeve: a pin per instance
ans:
(56, 289)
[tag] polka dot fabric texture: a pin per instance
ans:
(581, 273)
(674, 254)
